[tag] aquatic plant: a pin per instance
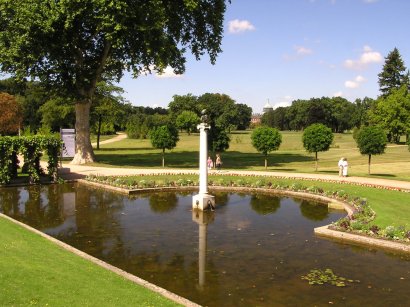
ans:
(321, 277)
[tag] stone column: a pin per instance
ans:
(203, 200)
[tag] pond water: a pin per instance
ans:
(251, 251)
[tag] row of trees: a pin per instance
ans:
(390, 111)
(316, 138)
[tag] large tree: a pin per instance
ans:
(72, 45)
(394, 74)
(392, 113)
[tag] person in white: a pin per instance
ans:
(340, 164)
(345, 167)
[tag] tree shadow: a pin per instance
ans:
(123, 148)
(384, 175)
(190, 159)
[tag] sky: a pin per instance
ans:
(283, 50)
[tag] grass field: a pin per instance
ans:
(291, 156)
(34, 271)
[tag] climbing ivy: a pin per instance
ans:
(32, 148)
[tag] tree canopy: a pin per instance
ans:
(164, 137)
(371, 140)
(72, 45)
(317, 137)
(394, 74)
(392, 113)
(187, 120)
(265, 140)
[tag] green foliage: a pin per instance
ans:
(164, 137)
(321, 277)
(265, 140)
(187, 120)
(32, 148)
(317, 137)
(70, 46)
(393, 75)
(392, 113)
(371, 140)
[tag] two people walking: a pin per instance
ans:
(343, 166)
(218, 162)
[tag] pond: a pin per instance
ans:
(252, 250)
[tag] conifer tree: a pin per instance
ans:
(394, 74)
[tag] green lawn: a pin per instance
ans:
(34, 271)
(291, 156)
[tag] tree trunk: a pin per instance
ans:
(99, 131)
(163, 157)
(266, 162)
(316, 161)
(83, 150)
(370, 157)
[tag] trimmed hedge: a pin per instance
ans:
(32, 148)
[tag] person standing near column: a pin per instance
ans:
(218, 162)
(340, 165)
(345, 167)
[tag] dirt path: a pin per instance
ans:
(117, 138)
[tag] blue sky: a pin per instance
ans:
(284, 50)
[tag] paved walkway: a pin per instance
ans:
(80, 171)
(70, 171)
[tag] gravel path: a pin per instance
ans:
(80, 171)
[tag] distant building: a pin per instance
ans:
(256, 118)
(267, 107)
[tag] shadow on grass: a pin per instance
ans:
(124, 149)
(189, 159)
(384, 175)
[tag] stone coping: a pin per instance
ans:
(323, 231)
(137, 280)
(351, 238)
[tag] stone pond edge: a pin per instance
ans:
(322, 231)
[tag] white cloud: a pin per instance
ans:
(367, 57)
(302, 50)
(167, 73)
(351, 84)
(370, 1)
(360, 79)
(338, 94)
(356, 83)
(238, 26)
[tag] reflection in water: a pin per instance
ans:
(265, 204)
(313, 211)
(161, 203)
(202, 218)
(251, 251)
